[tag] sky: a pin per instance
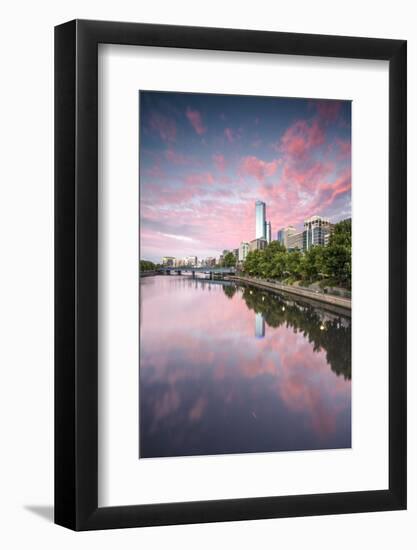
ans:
(204, 159)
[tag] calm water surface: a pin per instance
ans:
(231, 369)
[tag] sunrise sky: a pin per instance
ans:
(205, 159)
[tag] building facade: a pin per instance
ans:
(315, 230)
(168, 261)
(243, 251)
(260, 214)
(257, 244)
(284, 233)
(210, 261)
(295, 241)
(268, 232)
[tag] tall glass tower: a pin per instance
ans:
(260, 228)
(268, 232)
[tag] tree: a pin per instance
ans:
(313, 264)
(252, 263)
(273, 248)
(229, 260)
(145, 265)
(338, 254)
(294, 263)
(278, 266)
(330, 264)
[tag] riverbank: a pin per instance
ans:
(335, 301)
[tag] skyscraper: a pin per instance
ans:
(268, 232)
(260, 227)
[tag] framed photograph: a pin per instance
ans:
(230, 275)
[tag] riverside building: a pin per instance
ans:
(243, 251)
(315, 230)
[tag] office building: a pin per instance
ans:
(243, 251)
(315, 230)
(210, 261)
(268, 232)
(260, 226)
(190, 261)
(168, 261)
(257, 244)
(295, 241)
(284, 233)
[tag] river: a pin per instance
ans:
(232, 369)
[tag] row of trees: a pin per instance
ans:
(329, 264)
(146, 265)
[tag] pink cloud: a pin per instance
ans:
(198, 408)
(164, 126)
(300, 138)
(176, 158)
(344, 148)
(307, 177)
(199, 178)
(329, 110)
(228, 132)
(155, 171)
(196, 121)
(220, 162)
(252, 166)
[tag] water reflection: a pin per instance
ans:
(259, 325)
(227, 369)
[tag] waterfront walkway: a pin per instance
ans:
(344, 303)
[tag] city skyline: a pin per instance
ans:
(206, 159)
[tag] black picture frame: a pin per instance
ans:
(76, 272)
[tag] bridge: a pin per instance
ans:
(211, 271)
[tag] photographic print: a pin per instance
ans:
(245, 274)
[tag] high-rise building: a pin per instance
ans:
(268, 232)
(260, 227)
(284, 233)
(243, 251)
(315, 230)
(295, 241)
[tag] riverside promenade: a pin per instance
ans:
(344, 303)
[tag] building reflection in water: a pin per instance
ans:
(259, 325)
